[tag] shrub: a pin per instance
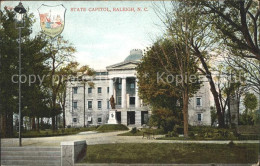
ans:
(231, 144)
(172, 134)
(178, 129)
(191, 134)
(134, 130)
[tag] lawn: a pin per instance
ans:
(50, 133)
(111, 127)
(140, 132)
(172, 153)
(71, 131)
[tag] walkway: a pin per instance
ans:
(100, 138)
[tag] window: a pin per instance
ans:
(198, 101)
(119, 86)
(99, 90)
(199, 117)
(75, 105)
(108, 103)
(132, 85)
(107, 89)
(119, 100)
(89, 90)
(132, 100)
(75, 90)
(74, 120)
(99, 120)
(99, 104)
(89, 104)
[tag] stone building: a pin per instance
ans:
(120, 81)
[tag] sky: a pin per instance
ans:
(103, 38)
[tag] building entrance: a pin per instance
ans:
(130, 117)
(118, 117)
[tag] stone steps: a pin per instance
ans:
(31, 156)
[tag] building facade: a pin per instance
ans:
(90, 105)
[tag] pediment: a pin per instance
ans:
(123, 66)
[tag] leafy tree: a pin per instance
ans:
(60, 52)
(67, 73)
(248, 70)
(32, 64)
(213, 115)
(236, 23)
(162, 74)
(250, 101)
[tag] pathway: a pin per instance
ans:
(93, 137)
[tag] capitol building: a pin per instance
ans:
(90, 105)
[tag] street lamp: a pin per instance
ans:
(19, 24)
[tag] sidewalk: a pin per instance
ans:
(94, 138)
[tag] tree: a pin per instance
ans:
(60, 52)
(250, 101)
(33, 60)
(248, 70)
(67, 72)
(199, 39)
(170, 58)
(213, 115)
(236, 23)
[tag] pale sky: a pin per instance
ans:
(103, 38)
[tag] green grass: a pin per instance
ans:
(140, 132)
(112, 127)
(50, 133)
(172, 153)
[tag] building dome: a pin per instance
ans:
(135, 55)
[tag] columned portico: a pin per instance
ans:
(137, 101)
(111, 87)
(123, 92)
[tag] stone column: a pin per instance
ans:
(123, 92)
(137, 101)
(111, 87)
(138, 116)
(124, 117)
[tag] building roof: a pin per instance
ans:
(135, 55)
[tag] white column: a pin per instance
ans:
(111, 87)
(123, 92)
(137, 101)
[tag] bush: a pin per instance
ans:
(112, 127)
(178, 129)
(191, 134)
(231, 144)
(134, 130)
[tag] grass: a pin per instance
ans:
(172, 153)
(140, 132)
(50, 133)
(212, 133)
(111, 127)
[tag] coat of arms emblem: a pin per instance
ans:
(52, 19)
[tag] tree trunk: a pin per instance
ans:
(33, 124)
(229, 112)
(9, 125)
(38, 124)
(185, 112)
(63, 107)
(213, 90)
(53, 123)
(3, 125)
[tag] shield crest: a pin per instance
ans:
(52, 19)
